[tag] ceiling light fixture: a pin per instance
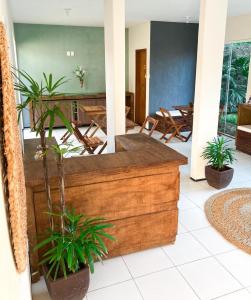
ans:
(67, 11)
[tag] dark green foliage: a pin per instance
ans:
(218, 153)
(235, 75)
(81, 244)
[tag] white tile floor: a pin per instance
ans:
(200, 265)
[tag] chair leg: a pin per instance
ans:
(168, 131)
(66, 137)
(171, 137)
(188, 137)
(102, 148)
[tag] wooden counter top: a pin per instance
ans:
(134, 151)
(73, 96)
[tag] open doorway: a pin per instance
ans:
(140, 96)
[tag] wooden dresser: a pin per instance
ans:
(70, 106)
(136, 189)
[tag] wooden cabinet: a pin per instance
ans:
(70, 106)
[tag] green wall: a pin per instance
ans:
(42, 48)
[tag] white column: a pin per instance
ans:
(212, 27)
(115, 69)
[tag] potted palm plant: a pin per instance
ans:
(73, 245)
(71, 250)
(219, 155)
(73, 241)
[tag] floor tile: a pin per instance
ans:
(145, 262)
(185, 249)
(193, 219)
(109, 272)
(239, 295)
(209, 279)
(123, 291)
(200, 197)
(239, 264)
(181, 229)
(165, 285)
(184, 203)
(212, 240)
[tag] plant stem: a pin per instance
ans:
(46, 177)
(61, 189)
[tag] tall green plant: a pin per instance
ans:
(234, 78)
(60, 151)
(76, 240)
(218, 153)
(34, 94)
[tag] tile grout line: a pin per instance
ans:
(110, 285)
(216, 258)
(242, 289)
(137, 287)
(181, 274)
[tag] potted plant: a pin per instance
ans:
(72, 247)
(80, 73)
(219, 155)
(73, 241)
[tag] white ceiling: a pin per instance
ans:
(90, 12)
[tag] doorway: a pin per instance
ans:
(140, 95)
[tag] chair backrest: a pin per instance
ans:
(77, 132)
(167, 116)
(152, 122)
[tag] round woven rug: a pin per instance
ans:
(230, 213)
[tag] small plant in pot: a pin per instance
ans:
(219, 155)
(71, 253)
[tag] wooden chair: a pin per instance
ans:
(129, 124)
(152, 122)
(93, 125)
(90, 143)
(173, 127)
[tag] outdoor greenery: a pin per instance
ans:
(219, 153)
(80, 244)
(235, 75)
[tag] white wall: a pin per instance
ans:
(239, 29)
(139, 38)
(14, 286)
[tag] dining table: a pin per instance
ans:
(97, 113)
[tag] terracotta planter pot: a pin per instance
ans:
(219, 179)
(75, 287)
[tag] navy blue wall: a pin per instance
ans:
(172, 64)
